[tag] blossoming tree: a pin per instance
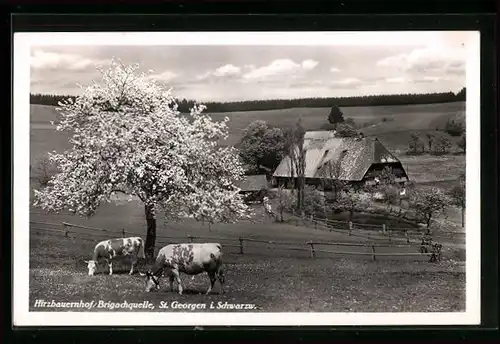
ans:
(129, 138)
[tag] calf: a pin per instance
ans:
(132, 247)
(191, 259)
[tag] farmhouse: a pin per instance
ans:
(253, 187)
(355, 160)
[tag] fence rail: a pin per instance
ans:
(71, 230)
(409, 235)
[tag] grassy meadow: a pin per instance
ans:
(292, 282)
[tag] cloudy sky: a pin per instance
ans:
(242, 72)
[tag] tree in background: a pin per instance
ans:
(261, 146)
(314, 201)
(430, 140)
(336, 116)
(416, 144)
(294, 148)
(457, 195)
(352, 201)
(454, 127)
(128, 137)
(285, 201)
(442, 143)
(428, 203)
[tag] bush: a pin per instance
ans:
(345, 130)
(416, 144)
(442, 143)
(350, 121)
(454, 128)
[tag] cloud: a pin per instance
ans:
(427, 80)
(227, 70)
(49, 60)
(280, 67)
(334, 70)
(309, 64)
(165, 76)
(350, 82)
(427, 60)
(395, 80)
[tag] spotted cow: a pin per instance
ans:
(191, 259)
(111, 249)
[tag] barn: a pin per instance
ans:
(355, 160)
(253, 188)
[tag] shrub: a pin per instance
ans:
(442, 143)
(454, 128)
(416, 144)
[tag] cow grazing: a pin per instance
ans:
(191, 259)
(108, 250)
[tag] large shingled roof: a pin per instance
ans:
(355, 155)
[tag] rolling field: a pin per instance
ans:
(394, 132)
(273, 279)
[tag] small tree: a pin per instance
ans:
(454, 127)
(336, 116)
(128, 137)
(285, 201)
(430, 139)
(352, 201)
(428, 203)
(313, 200)
(442, 144)
(416, 144)
(457, 195)
(461, 143)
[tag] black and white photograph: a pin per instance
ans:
(246, 178)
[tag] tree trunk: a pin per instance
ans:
(463, 217)
(149, 247)
(429, 224)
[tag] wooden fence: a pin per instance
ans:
(94, 234)
(364, 230)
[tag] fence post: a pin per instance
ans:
(384, 230)
(314, 221)
(313, 252)
(241, 245)
(350, 227)
(407, 237)
(123, 233)
(373, 252)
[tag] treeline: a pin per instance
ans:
(253, 105)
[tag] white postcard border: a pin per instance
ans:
(20, 307)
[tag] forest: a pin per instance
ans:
(271, 104)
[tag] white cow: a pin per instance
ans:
(108, 250)
(191, 259)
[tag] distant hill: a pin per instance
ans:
(273, 104)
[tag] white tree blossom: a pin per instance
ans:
(128, 137)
